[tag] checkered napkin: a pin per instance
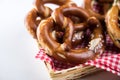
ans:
(109, 60)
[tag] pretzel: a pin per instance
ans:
(78, 15)
(97, 8)
(64, 51)
(113, 25)
(41, 12)
(39, 5)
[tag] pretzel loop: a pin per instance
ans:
(112, 22)
(39, 13)
(98, 8)
(64, 51)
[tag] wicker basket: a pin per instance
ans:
(73, 73)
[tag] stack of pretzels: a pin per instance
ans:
(74, 34)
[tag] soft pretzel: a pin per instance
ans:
(97, 8)
(64, 51)
(41, 12)
(32, 22)
(80, 25)
(113, 25)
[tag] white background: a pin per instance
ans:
(17, 47)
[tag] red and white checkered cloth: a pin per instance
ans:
(109, 60)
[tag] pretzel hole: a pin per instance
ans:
(101, 6)
(77, 38)
(118, 40)
(58, 33)
(52, 6)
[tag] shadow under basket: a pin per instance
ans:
(73, 73)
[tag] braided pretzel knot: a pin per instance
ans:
(41, 12)
(64, 51)
(80, 24)
(98, 8)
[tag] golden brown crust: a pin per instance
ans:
(42, 12)
(59, 32)
(113, 25)
(64, 51)
(97, 8)
(79, 26)
(31, 22)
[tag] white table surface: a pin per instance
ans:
(17, 47)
